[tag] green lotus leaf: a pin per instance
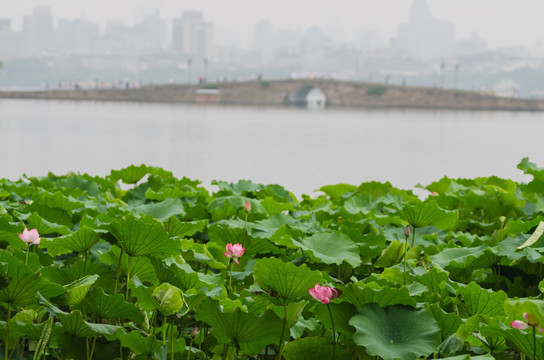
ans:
(141, 345)
(74, 324)
(179, 275)
(131, 174)
(332, 248)
(140, 265)
(12, 267)
(429, 213)
(361, 294)
(76, 291)
(470, 332)
(392, 255)
(292, 311)
(338, 191)
(161, 210)
(45, 227)
(242, 187)
(223, 233)
(147, 347)
(395, 332)
(21, 291)
(268, 227)
(58, 200)
(458, 257)
(287, 280)
(521, 226)
(138, 237)
(227, 206)
(81, 241)
(170, 299)
(535, 238)
(531, 169)
(250, 331)
(169, 191)
(211, 254)
(274, 207)
(341, 314)
(434, 280)
(447, 322)
(360, 204)
(514, 309)
(143, 294)
(9, 231)
(521, 340)
(478, 301)
(174, 227)
(111, 306)
(24, 323)
(468, 357)
(314, 348)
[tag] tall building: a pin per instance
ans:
(38, 31)
(76, 34)
(152, 32)
(192, 36)
(5, 25)
(424, 36)
(263, 39)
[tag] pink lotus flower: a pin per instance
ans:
(30, 237)
(530, 320)
(323, 293)
(247, 206)
(234, 251)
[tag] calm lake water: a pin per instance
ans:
(297, 148)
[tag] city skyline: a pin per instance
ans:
(343, 23)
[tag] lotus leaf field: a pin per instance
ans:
(142, 265)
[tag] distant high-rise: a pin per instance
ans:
(263, 39)
(425, 37)
(5, 25)
(76, 34)
(192, 36)
(38, 31)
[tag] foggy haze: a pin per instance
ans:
(499, 22)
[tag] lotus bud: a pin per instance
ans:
(194, 331)
(502, 220)
(247, 207)
(407, 232)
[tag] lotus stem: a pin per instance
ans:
(172, 339)
(164, 331)
(245, 232)
(333, 333)
(534, 343)
(405, 254)
(6, 343)
(413, 236)
(92, 347)
(280, 347)
(117, 273)
(128, 278)
(26, 257)
(190, 347)
(230, 276)
(85, 263)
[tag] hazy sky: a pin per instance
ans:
(500, 22)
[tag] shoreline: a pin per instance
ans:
(339, 94)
